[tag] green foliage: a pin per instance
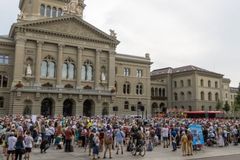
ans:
(219, 105)
(226, 107)
(237, 101)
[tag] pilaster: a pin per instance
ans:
(59, 66)
(19, 60)
(79, 66)
(97, 69)
(111, 70)
(38, 63)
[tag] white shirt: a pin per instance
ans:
(28, 141)
(165, 132)
(11, 143)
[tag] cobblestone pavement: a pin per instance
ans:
(159, 153)
(230, 157)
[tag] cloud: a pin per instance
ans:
(175, 32)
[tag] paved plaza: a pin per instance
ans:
(207, 153)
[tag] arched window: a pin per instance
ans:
(42, 10)
(152, 92)
(209, 96)
(60, 12)
(54, 12)
(182, 83)
(175, 96)
(182, 96)
(126, 105)
(87, 71)
(216, 84)
(1, 102)
(202, 96)
(156, 92)
(160, 91)
(51, 69)
(189, 108)
(116, 86)
(202, 83)
(68, 70)
(209, 83)
(139, 89)
(126, 88)
(163, 92)
(203, 108)
(3, 80)
(48, 67)
(216, 97)
(64, 71)
(175, 84)
(210, 108)
(48, 14)
(189, 95)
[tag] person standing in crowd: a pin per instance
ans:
(28, 140)
(119, 136)
(19, 148)
(165, 131)
(190, 143)
(184, 143)
(108, 140)
(11, 142)
(96, 142)
(174, 139)
(68, 139)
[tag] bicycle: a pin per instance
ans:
(140, 149)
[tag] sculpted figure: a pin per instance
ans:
(29, 70)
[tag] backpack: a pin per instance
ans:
(108, 139)
(19, 145)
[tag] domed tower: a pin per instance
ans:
(39, 9)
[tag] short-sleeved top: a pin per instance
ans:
(28, 141)
(11, 143)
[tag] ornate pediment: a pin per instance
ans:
(68, 26)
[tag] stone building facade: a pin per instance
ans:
(54, 62)
(189, 88)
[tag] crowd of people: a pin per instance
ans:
(19, 134)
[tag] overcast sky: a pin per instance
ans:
(204, 33)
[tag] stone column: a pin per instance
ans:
(97, 69)
(111, 70)
(79, 66)
(38, 62)
(59, 66)
(19, 60)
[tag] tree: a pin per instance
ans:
(219, 105)
(226, 107)
(237, 102)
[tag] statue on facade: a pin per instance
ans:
(103, 76)
(29, 70)
(113, 33)
(20, 16)
(74, 7)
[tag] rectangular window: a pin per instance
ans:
(139, 73)
(189, 83)
(4, 59)
(126, 72)
(126, 105)
(133, 108)
(1, 102)
(175, 84)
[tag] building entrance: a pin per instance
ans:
(47, 107)
(88, 108)
(68, 107)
